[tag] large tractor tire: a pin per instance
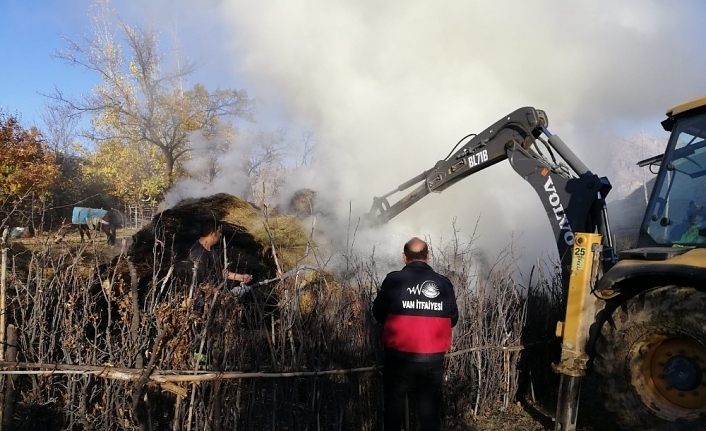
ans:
(651, 360)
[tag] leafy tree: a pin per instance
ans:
(137, 104)
(128, 171)
(26, 164)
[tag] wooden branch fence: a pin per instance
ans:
(489, 336)
(198, 376)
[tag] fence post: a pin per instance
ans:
(8, 408)
(3, 280)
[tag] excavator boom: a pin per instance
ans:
(483, 150)
(573, 197)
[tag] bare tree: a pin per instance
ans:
(59, 128)
(308, 146)
(209, 146)
(137, 100)
(264, 165)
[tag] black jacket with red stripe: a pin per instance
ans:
(417, 307)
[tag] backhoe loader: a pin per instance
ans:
(636, 318)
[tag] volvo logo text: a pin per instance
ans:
(554, 200)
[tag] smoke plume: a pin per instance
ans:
(389, 87)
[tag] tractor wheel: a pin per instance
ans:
(651, 360)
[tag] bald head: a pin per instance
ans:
(416, 249)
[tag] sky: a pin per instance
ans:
(29, 35)
(389, 87)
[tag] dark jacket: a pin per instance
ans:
(417, 307)
(207, 267)
(208, 264)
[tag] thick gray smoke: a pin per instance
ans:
(389, 87)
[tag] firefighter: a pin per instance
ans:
(417, 308)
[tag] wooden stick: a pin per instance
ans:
(129, 374)
(3, 282)
(9, 395)
(3, 270)
(163, 376)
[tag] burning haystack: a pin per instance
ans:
(255, 242)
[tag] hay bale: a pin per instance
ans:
(249, 234)
(302, 203)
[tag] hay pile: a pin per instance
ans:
(156, 281)
(302, 203)
(256, 243)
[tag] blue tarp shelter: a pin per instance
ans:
(82, 215)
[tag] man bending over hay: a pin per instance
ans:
(208, 261)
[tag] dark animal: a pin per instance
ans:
(87, 219)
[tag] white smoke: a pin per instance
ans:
(626, 176)
(216, 164)
(389, 87)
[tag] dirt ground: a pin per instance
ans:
(96, 246)
(526, 418)
(515, 418)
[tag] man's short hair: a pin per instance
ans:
(413, 251)
(209, 226)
